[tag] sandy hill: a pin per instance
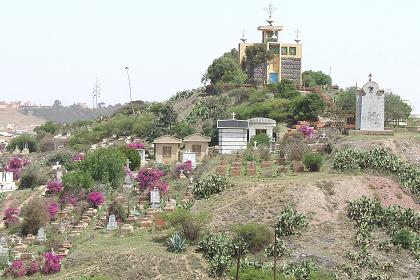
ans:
(12, 116)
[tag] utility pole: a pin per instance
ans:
(129, 87)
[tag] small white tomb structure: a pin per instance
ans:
(6, 182)
(262, 126)
(233, 135)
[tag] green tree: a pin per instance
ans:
(285, 89)
(346, 100)
(106, 166)
(48, 127)
(132, 155)
(32, 176)
(182, 129)
(21, 140)
(225, 69)
(277, 109)
(256, 57)
(307, 107)
(318, 77)
(396, 109)
(34, 215)
(76, 181)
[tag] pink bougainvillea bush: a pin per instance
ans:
(54, 187)
(15, 166)
(52, 263)
(136, 145)
(69, 198)
(52, 209)
(187, 167)
(17, 268)
(33, 267)
(11, 216)
(307, 131)
(96, 198)
(150, 178)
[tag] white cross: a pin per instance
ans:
(233, 115)
(255, 144)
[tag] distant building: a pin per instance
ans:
(287, 60)
(167, 149)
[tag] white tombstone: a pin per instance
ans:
(190, 156)
(142, 153)
(127, 179)
(41, 237)
(370, 106)
(25, 149)
(6, 182)
(112, 223)
(4, 251)
(155, 198)
(134, 211)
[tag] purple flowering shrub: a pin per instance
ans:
(69, 198)
(54, 187)
(96, 198)
(150, 178)
(11, 216)
(52, 263)
(187, 167)
(52, 209)
(307, 131)
(136, 145)
(33, 267)
(17, 268)
(15, 166)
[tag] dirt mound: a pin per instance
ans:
(11, 116)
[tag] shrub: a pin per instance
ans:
(212, 184)
(404, 238)
(15, 165)
(32, 176)
(106, 166)
(264, 152)
(262, 139)
(218, 249)
(20, 142)
(149, 178)
(165, 168)
(47, 144)
(135, 145)
(52, 209)
(255, 236)
(307, 131)
(76, 181)
(188, 223)
(294, 146)
(52, 263)
(18, 268)
(33, 267)
(62, 156)
(34, 215)
(300, 271)
(11, 216)
(176, 243)
(116, 208)
(96, 199)
(312, 161)
(132, 155)
(54, 187)
(186, 167)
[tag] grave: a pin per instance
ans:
(235, 172)
(126, 229)
(142, 153)
(191, 156)
(58, 171)
(66, 244)
(155, 198)
(128, 181)
(267, 173)
(4, 250)
(146, 223)
(20, 247)
(112, 223)
(6, 182)
(134, 211)
(282, 169)
(29, 239)
(266, 164)
(298, 166)
(370, 110)
(221, 170)
(25, 149)
(182, 175)
(169, 208)
(41, 237)
(159, 221)
(132, 219)
(63, 252)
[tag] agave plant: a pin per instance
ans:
(176, 243)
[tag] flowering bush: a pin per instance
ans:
(307, 131)
(69, 198)
(54, 187)
(52, 208)
(96, 198)
(18, 268)
(79, 157)
(15, 165)
(136, 145)
(52, 263)
(11, 216)
(33, 267)
(187, 167)
(150, 178)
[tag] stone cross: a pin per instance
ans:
(191, 179)
(255, 144)
(128, 164)
(233, 115)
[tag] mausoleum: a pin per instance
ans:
(167, 149)
(197, 144)
(233, 135)
(262, 125)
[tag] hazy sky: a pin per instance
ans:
(55, 49)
